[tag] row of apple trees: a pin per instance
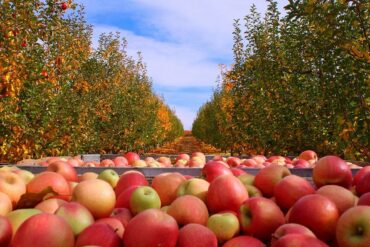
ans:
(58, 96)
(298, 82)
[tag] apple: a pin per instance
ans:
(353, 228)
(358, 176)
(213, 169)
(224, 225)
(233, 161)
(200, 155)
(181, 163)
(343, 198)
(76, 215)
(364, 200)
(64, 6)
(12, 185)
(183, 157)
(151, 227)
(318, 213)
(237, 171)
(226, 192)
(107, 163)
(332, 170)
(50, 205)
(44, 230)
(301, 240)
(218, 158)
(47, 179)
(110, 176)
(289, 189)
(290, 228)
(131, 157)
(166, 185)
(308, 155)
(299, 163)
(129, 179)
(98, 234)
(194, 186)
(64, 169)
(139, 163)
(260, 217)
(165, 161)
(196, 235)
(123, 200)
(88, 176)
(27, 176)
(244, 241)
(266, 179)
(115, 223)
(123, 215)
(97, 196)
(6, 205)
(253, 191)
(18, 216)
(120, 161)
(246, 178)
(363, 186)
(188, 209)
(196, 162)
(250, 163)
(6, 232)
(142, 198)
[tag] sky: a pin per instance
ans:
(182, 42)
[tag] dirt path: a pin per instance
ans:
(186, 144)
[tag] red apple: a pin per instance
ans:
(364, 200)
(213, 169)
(181, 163)
(200, 155)
(131, 157)
(318, 213)
(226, 192)
(120, 161)
(218, 158)
(98, 234)
(6, 232)
(18, 216)
(12, 185)
(183, 157)
(299, 163)
(353, 228)
(244, 241)
(151, 227)
(343, 198)
(166, 185)
(308, 155)
(249, 163)
(101, 202)
(268, 177)
(237, 171)
(129, 179)
(122, 214)
(233, 161)
(332, 170)
(44, 230)
(196, 235)
(196, 162)
(165, 161)
(88, 176)
(54, 180)
(260, 217)
(107, 163)
(290, 189)
(188, 209)
(290, 228)
(363, 186)
(64, 169)
(115, 223)
(123, 200)
(360, 174)
(224, 225)
(298, 240)
(77, 216)
(64, 6)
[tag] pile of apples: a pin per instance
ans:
(223, 206)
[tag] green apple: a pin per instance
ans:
(195, 187)
(253, 191)
(76, 215)
(246, 178)
(110, 176)
(224, 225)
(25, 175)
(17, 217)
(144, 197)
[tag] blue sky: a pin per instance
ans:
(182, 42)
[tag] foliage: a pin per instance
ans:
(58, 96)
(298, 82)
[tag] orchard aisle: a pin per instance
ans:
(186, 144)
